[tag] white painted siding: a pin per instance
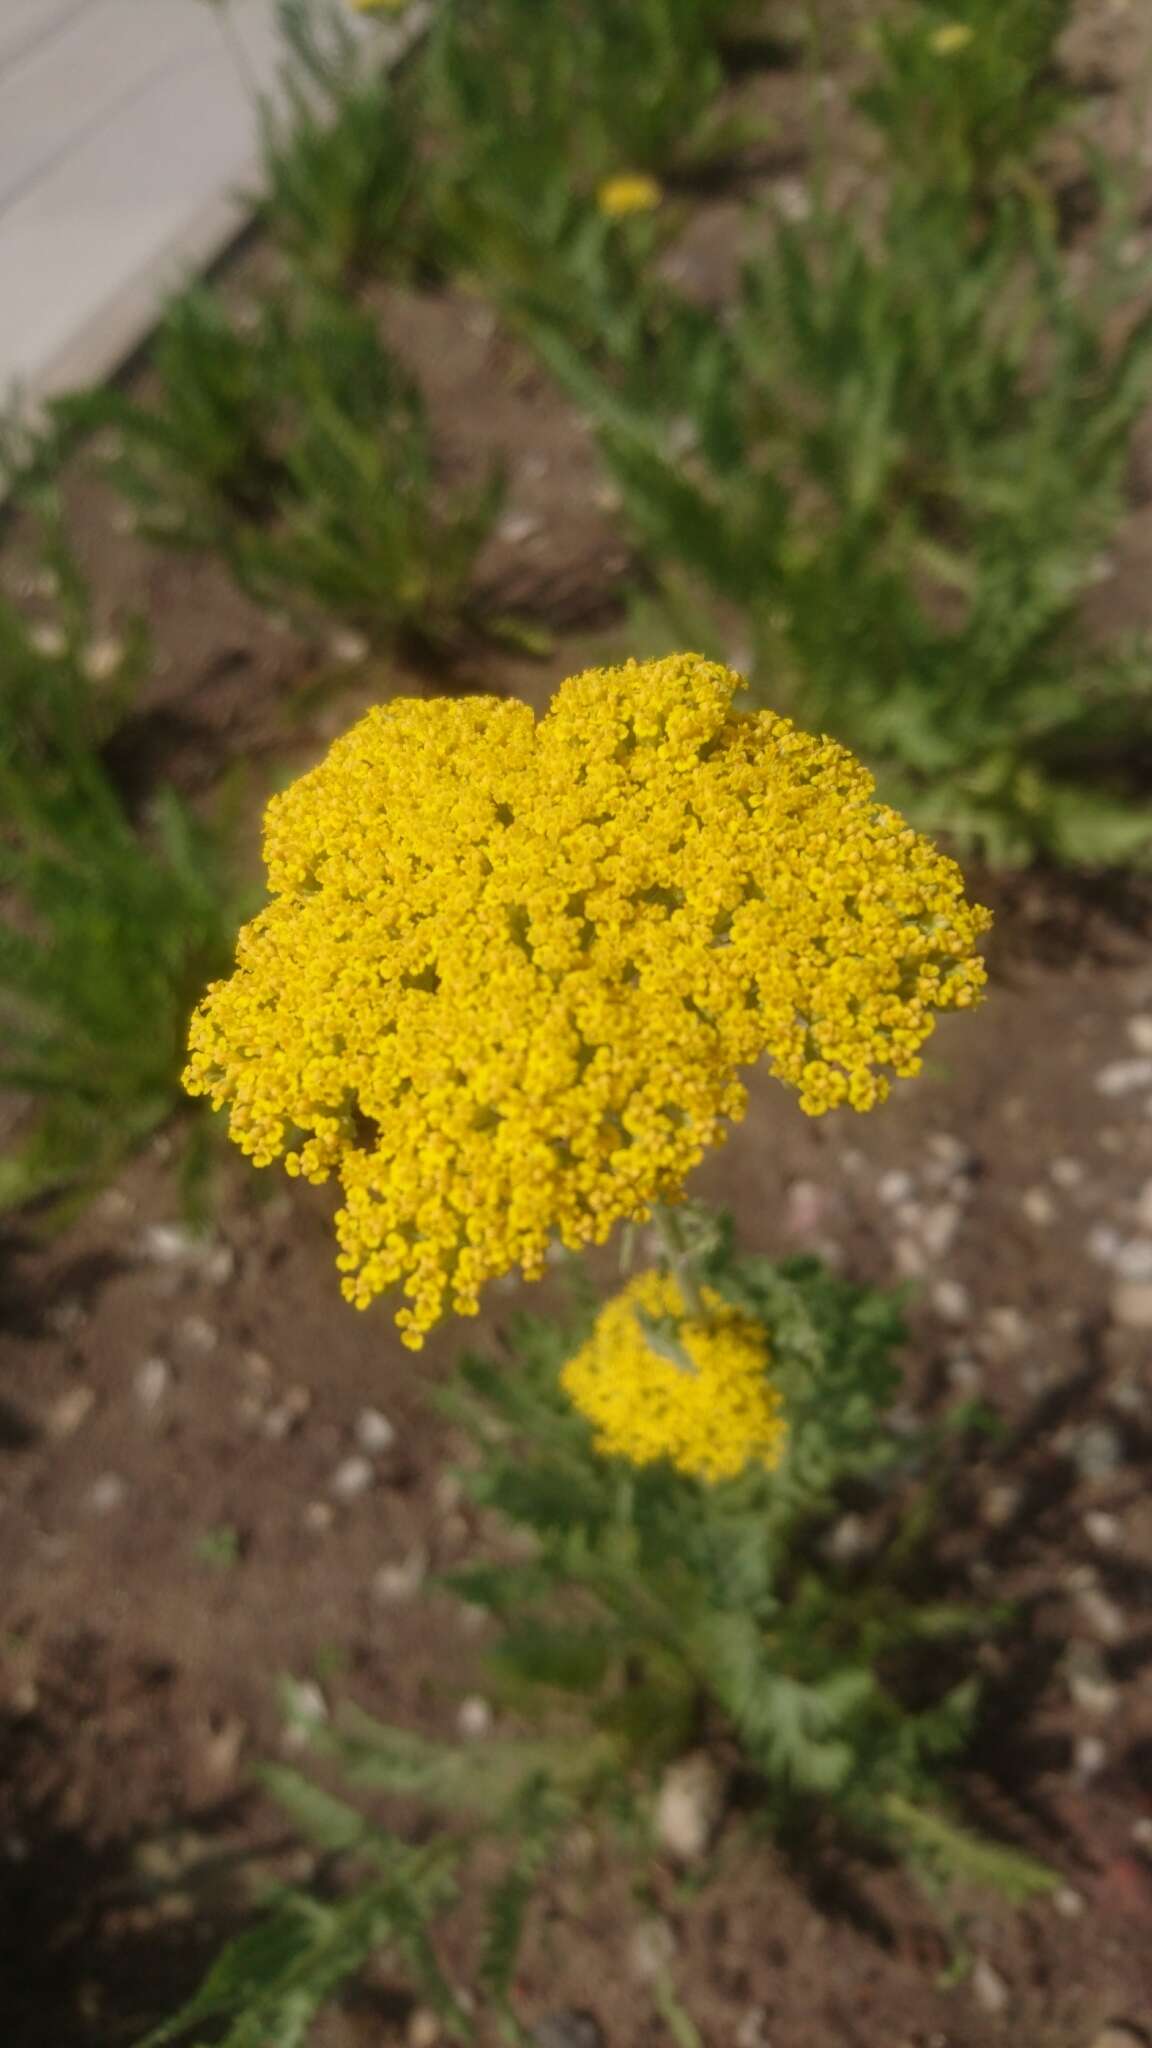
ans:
(127, 145)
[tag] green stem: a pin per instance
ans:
(667, 1226)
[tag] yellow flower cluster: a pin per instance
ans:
(510, 970)
(629, 192)
(951, 38)
(711, 1417)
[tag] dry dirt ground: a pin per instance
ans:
(196, 1494)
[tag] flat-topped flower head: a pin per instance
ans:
(712, 1412)
(511, 970)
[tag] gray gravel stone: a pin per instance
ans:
(402, 1580)
(1133, 1259)
(1097, 1450)
(989, 1988)
(568, 2028)
(1090, 1755)
(152, 1383)
(1124, 1077)
(1140, 1033)
(651, 1949)
(352, 1477)
(1067, 1173)
(474, 1718)
(71, 1410)
(690, 1806)
(952, 1301)
(1132, 1305)
(197, 1334)
(107, 1493)
(374, 1432)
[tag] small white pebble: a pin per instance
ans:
(517, 527)
(951, 1301)
(938, 1226)
(848, 1539)
(1133, 1260)
(1067, 1173)
(965, 1374)
(402, 1580)
(1100, 1613)
(1090, 1755)
(48, 641)
(474, 1718)
(1103, 1529)
(690, 1805)
(894, 1187)
(152, 1382)
(423, 2029)
(1069, 1904)
(651, 1949)
(167, 1244)
(1098, 1450)
(950, 1150)
(989, 1988)
(1006, 1329)
(792, 199)
(352, 1477)
(349, 647)
(1103, 1243)
(1141, 1831)
(102, 658)
(70, 1410)
(197, 1334)
(1124, 1077)
(318, 1516)
(1039, 1208)
(107, 1493)
(1000, 1504)
(1132, 1305)
(752, 2029)
(374, 1432)
(1140, 1033)
(218, 1265)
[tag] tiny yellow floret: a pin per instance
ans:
(630, 192)
(711, 1417)
(510, 971)
(953, 37)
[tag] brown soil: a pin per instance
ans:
(173, 1414)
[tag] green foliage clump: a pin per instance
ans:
(107, 927)
(896, 465)
(340, 176)
(381, 1900)
(966, 91)
(598, 86)
(300, 450)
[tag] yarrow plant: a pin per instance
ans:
(511, 970)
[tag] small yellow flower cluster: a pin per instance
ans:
(711, 1417)
(509, 971)
(629, 192)
(951, 38)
